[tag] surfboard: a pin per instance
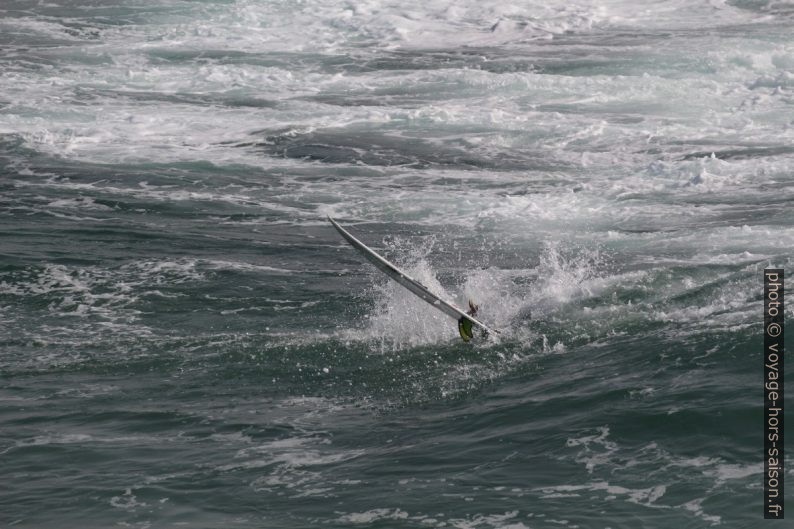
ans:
(421, 291)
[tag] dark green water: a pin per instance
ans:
(186, 342)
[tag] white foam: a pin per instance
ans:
(373, 515)
(50, 116)
(724, 472)
(596, 450)
(127, 501)
(695, 507)
(500, 521)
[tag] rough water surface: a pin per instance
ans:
(186, 342)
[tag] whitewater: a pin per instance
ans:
(186, 341)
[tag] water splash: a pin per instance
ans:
(509, 299)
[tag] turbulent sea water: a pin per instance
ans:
(186, 342)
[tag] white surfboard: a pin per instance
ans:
(408, 282)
